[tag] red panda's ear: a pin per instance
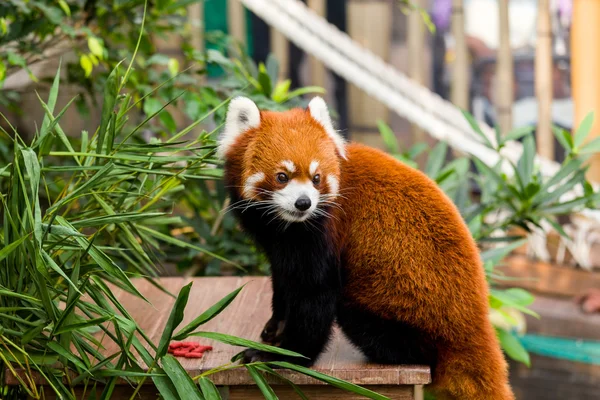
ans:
(320, 113)
(242, 115)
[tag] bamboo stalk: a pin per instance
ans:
(460, 71)
(544, 81)
(585, 64)
(416, 44)
(280, 48)
(316, 67)
(504, 71)
(236, 21)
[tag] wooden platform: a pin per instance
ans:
(245, 317)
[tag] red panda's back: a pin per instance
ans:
(406, 250)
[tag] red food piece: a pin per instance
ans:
(180, 353)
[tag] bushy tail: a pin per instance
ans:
(476, 371)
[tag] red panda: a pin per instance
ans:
(358, 238)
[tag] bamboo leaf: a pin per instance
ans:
(475, 126)
(7, 250)
(174, 320)
(209, 390)
(236, 341)
(111, 90)
(262, 383)
(584, 129)
(513, 347)
(186, 389)
(390, 140)
(207, 315)
(350, 387)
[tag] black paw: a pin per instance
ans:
(252, 355)
(273, 332)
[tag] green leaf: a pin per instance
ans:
(507, 299)
(525, 163)
(390, 140)
(350, 387)
(476, 128)
(57, 348)
(96, 47)
(186, 389)
(584, 129)
(592, 147)
(262, 383)
(497, 254)
(564, 138)
(305, 90)
(86, 63)
(83, 325)
(111, 90)
(436, 159)
(7, 250)
(518, 133)
(264, 80)
(280, 93)
(174, 320)
(173, 66)
(513, 347)
(236, 341)
(52, 96)
(207, 315)
(209, 390)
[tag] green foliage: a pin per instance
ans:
(508, 205)
(80, 220)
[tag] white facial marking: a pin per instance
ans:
(333, 183)
(289, 165)
(286, 198)
(242, 115)
(320, 113)
(251, 183)
(313, 167)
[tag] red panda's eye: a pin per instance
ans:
(317, 179)
(282, 178)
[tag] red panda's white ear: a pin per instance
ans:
(242, 114)
(318, 110)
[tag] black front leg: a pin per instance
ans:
(273, 331)
(308, 326)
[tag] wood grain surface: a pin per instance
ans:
(245, 317)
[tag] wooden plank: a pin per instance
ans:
(245, 317)
(364, 111)
(317, 392)
(562, 317)
(554, 379)
(547, 278)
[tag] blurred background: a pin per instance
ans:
(397, 75)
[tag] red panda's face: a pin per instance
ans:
(290, 160)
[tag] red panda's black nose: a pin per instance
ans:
(303, 203)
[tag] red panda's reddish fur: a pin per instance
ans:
(408, 254)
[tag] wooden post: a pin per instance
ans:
(460, 69)
(543, 80)
(280, 48)
(196, 15)
(236, 21)
(585, 64)
(369, 23)
(504, 71)
(416, 66)
(316, 67)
